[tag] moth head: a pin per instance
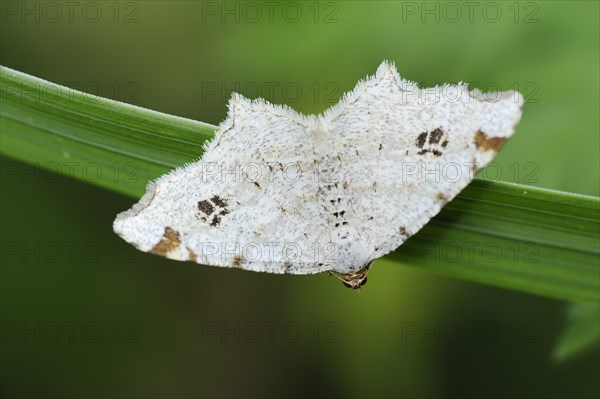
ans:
(355, 284)
(356, 279)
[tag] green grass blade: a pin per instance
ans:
(525, 238)
(582, 332)
(513, 236)
(112, 144)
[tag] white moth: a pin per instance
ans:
(279, 192)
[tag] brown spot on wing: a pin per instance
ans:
(191, 255)
(435, 136)
(169, 241)
(484, 143)
(205, 207)
(237, 262)
(212, 209)
(421, 139)
(218, 201)
(432, 142)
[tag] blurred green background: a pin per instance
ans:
(85, 315)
